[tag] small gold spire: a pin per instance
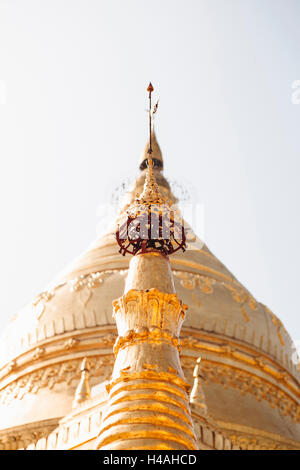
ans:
(151, 193)
(150, 89)
(197, 397)
(148, 152)
(149, 221)
(83, 391)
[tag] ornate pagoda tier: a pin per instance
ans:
(148, 402)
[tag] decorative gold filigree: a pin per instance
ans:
(107, 340)
(71, 343)
(155, 308)
(206, 284)
(38, 352)
(91, 281)
(242, 298)
(104, 341)
(245, 382)
(142, 334)
(22, 436)
(278, 324)
(192, 281)
(248, 442)
(11, 366)
(50, 376)
(242, 354)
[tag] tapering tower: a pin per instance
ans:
(148, 404)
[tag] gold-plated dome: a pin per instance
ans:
(249, 380)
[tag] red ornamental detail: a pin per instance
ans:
(151, 231)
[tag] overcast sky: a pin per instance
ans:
(73, 123)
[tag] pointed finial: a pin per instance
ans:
(149, 222)
(147, 156)
(83, 391)
(150, 90)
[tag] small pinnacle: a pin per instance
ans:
(197, 397)
(83, 392)
(85, 366)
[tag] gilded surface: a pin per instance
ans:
(245, 382)
(49, 376)
(148, 404)
(245, 350)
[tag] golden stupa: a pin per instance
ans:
(147, 352)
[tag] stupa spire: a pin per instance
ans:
(152, 149)
(148, 403)
(151, 193)
(150, 89)
(149, 222)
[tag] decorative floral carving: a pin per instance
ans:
(241, 297)
(192, 281)
(22, 436)
(71, 343)
(231, 350)
(206, 284)
(50, 376)
(108, 340)
(152, 334)
(248, 442)
(38, 352)
(278, 324)
(157, 309)
(10, 367)
(245, 382)
(43, 296)
(91, 281)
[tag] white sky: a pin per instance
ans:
(72, 125)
